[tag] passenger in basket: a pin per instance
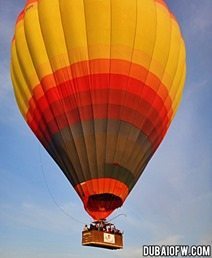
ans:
(85, 228)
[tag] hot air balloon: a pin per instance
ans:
(98, 82)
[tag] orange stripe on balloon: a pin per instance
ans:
(101, 186)
(71, 84)
(161, 2)
(22, 13)
(105, 66)
(20, 17)
(58, 112)
(31, 2)
(79, 89)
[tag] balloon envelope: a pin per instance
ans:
(98, 82)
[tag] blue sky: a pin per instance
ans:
(171, 203)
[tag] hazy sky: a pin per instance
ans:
(171, 203)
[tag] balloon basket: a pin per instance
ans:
(102, 234)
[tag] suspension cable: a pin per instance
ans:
(52, 196)
(121, 214)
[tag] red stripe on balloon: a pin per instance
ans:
(20, 17)
(100, 186)
(69, 103)
(109, 68)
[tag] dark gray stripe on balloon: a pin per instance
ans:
(113, 149)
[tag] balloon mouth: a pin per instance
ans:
(101, 196)
(104, 202)
(99, 206)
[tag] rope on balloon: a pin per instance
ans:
(52, 196)
(121, 214)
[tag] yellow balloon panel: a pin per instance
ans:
(98, 82)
